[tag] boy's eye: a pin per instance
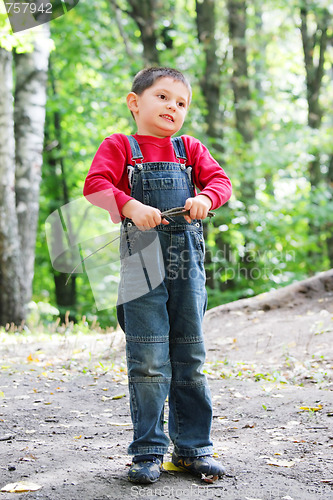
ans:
(162, 96)
(181, 104)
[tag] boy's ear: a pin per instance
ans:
(132, 102)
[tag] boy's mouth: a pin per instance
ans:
(167, 117)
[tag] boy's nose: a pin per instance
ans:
(171, 105)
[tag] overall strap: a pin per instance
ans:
(135, 148)
(179, 147)
(180, 151)
(137, 157)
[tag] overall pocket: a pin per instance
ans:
(165, 192)
(199, 243)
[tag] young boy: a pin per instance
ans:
(147, 174)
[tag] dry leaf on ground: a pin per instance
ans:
(311, 408)
(20, 487)
(169, 466)
(281, 463)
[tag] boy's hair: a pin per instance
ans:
(148, 76)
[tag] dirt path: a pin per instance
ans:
(64, 412)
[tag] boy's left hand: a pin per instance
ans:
(198, 207)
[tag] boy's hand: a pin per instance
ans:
(144, 216)
(198, 207)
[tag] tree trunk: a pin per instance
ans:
(210, 84)
(259, 61)
(240, 86)
(242, 101)
(66, 296)
(313, 43)
(144, 14)
(315, 39)
(330, 225)
(29, 116)
(21, 148)
(11, 271)
(211, 80)
(240, 79)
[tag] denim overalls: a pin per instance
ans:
(164, 339)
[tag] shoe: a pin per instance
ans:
(197, 466)
(145, 469)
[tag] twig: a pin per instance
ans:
(165, 215)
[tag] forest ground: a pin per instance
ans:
(64, 409)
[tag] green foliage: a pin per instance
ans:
(254, 243)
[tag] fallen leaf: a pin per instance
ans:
(169, 466)
(281, 463)
(238, 395)
(2, 394)
(20, 487)
(32, 359)
(119, 396)
(311, 408)
(78, 437)
(121, 424)
(28, 458)
(209, 479)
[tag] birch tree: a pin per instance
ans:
(22, 133)
(11, 269)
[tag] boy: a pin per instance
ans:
(164, 340)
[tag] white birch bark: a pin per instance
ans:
(29, 117)
(11, 303)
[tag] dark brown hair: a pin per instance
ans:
(148, 76)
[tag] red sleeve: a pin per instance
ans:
(106, 184)
(208, 175)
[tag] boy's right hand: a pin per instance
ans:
(144, 216)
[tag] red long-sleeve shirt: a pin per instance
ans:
(106, 184)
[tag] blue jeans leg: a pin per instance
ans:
(149, 369)
(190, 400)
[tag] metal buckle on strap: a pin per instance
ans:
(131, 168)
(130, 173)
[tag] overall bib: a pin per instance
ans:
(163, 324)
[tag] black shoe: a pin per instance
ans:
(197, 466)
(145, 469)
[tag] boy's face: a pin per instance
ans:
(161, 109)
